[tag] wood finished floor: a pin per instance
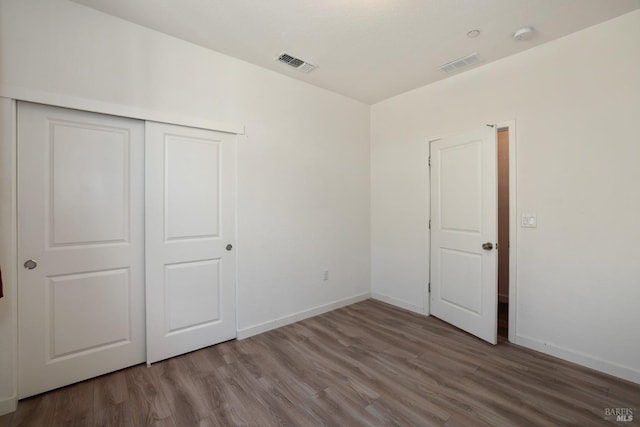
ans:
(366, 364)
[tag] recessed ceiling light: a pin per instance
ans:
(524, 33)
(473, 34)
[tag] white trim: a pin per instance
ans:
(236, 274)
(426, 304)
(8, 245)
(8, 405)
(399, 303)
(583, 359)
(301, 315)
(95, 106)
(513, 226)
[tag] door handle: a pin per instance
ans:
(30, 264)
(487, 246)
(229, 247)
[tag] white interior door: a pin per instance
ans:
(190, 219)
(463, 220)
(80, 233)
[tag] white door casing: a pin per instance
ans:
(463, 218)
(80, 210)
(190, 221)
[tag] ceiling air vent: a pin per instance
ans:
(296, 63)
(460, 63)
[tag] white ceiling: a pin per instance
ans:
(368, 50)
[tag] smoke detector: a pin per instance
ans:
(523, 34)
(296, 63)
(459, 63)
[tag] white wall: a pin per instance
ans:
(303, 165)
(576, 103)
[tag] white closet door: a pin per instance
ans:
(464, 281)
(80, 231)
(190, 233)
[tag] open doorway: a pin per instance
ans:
(503, 233)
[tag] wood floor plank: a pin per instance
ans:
(238, 405)
(114, 415)
(35, 411)
(75, 406)
(343, 409)
(110, 390)
(149, 404)
(369, 364)
(186, 405)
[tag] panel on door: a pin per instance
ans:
(190, 233)
(80, 240)
(464, 231)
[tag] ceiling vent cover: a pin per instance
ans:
(460, 63)
(296, 63)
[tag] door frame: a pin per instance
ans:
(513, 225)
(8, 247)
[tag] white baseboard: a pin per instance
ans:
(610, 368)
(301, 315)
(398, 303)
(8, 405)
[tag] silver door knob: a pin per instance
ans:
(229, 247)
(487, 246)
(30, 264)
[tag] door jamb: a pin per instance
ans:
(513, 226)
(427, 289)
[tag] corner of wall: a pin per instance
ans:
(399, 303)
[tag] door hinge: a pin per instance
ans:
(429, 287)
(429, 224)
(429, 161)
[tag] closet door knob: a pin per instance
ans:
(229, 247)
(487, 246)
(30, 264)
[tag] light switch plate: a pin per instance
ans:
(529, 220)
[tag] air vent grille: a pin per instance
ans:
(296, 63)
(460, 63)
